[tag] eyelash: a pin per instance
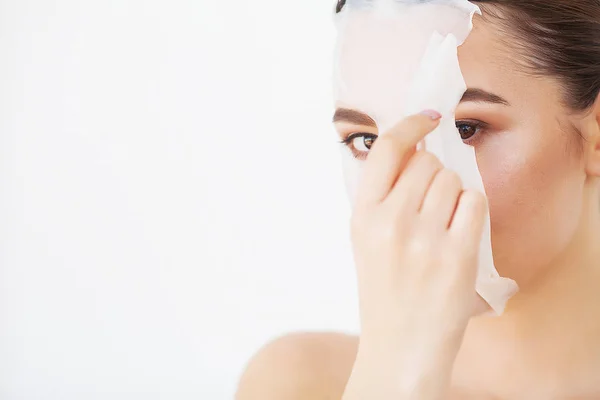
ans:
(359, 155)
(478, 126)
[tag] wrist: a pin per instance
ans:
(373, 379)
(388, 370)
(424, 353)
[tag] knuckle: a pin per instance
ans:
(431, 160)
(420, 156)
(417, 161)
(391, 232)
(475, 200)
(464, 252)
(395, 226)
(420, 245)
(450, 177)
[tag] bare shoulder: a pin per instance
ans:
(300, 366)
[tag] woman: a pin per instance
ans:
(533, 117)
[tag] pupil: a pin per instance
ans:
(368, 141)
(465, 131)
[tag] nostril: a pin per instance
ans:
(340, 5)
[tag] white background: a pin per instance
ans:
(171, 193)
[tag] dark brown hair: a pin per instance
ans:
(557, 38)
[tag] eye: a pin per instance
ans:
(468, 129)
(360, 144)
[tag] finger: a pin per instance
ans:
(389, 156)
(442, 199)
(468, 220)
(413, 184)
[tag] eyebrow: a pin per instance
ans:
(353, 117)
(471, 95)
(481, 96)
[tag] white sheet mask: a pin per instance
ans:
(395, 58)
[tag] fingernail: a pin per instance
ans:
(434, 115)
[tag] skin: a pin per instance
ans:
(543, 185)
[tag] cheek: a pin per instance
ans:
(534, 186)
(510, 182)
(524, 173)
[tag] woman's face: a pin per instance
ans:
(528, 156)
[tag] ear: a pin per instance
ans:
(591, 133)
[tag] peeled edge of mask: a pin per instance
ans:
(438, 84)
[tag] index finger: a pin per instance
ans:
(390, 154)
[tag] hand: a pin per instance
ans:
(415, 237)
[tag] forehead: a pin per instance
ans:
(377, 54)
(487, 61)
(377, 58)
